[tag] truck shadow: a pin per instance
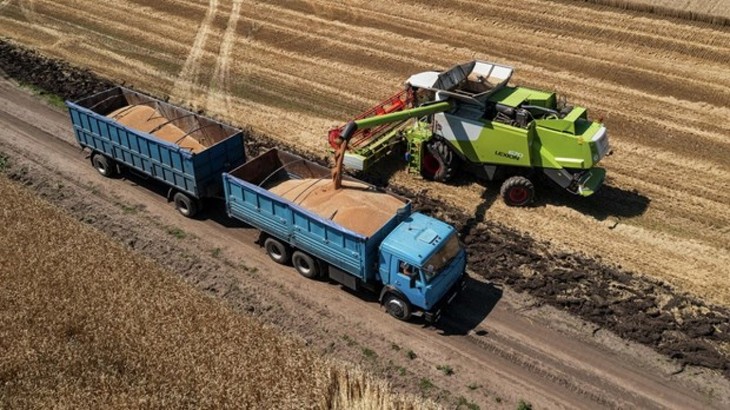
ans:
(469, 309)
(214, 209)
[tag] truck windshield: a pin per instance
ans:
(441, 258)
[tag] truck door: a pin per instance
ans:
(409, 281)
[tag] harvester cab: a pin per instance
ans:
(468, 118)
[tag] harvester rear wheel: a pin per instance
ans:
(517, 191)
(438, 162)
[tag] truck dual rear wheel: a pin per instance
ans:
(517, 191)
(397, 307)
(104, 165)
(305, 265)
(438, 162)
(277, 251)
(187, 206)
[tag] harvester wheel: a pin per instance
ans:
(517, 191)
(187, 206)
(104, 165)
(397, 307)
(305, 265)
(277, 251)
(438, 162)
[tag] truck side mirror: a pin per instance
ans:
(412, 282)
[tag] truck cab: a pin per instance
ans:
(421, 266)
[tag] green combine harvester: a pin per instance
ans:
(468, 119)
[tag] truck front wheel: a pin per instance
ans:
(305, 265)
(517, 191)
(104, 165)
(187, 206)
(397, 307)
(277, 251)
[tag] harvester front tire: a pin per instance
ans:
(517, 191)
(105, 166)
(278, 252)
(187, 206)
(305, 265)
(397, 307)
(439, 162)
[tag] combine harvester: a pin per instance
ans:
(468, 118)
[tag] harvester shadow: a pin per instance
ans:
(609, 201)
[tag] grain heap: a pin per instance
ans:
(355, 206)
(147, 119)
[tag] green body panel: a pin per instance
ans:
(535, 146)
(555, 149)
(516, 96)
(497, 143)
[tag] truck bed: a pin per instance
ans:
(176, 146)
(267, 193)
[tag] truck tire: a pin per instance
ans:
(278, 252)
(438, 162)
(187, 206)
(397, 307)
(104, 165)
(305, 265)
(517, 191)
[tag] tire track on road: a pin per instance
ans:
(186, 84)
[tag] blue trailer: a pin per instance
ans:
(186, 151)
(414, 262)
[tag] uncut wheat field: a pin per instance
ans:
(85, 323)
(292, 69)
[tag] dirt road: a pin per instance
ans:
(500, 347)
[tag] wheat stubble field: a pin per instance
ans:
(86, 323)
(291, 69)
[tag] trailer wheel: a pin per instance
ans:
(187, 206)
(438, 162)
(305, 265)
(277, 251)
(517, 191)
(104, 165)
(397, 307)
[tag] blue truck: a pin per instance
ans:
(415, 263)
(185, 151)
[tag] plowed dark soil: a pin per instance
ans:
(631, 305)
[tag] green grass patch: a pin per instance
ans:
(4, 162)
(51, 98)
(425, 384)
(445, 369)
(524, 405)
(176, 232)
(369, 353)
